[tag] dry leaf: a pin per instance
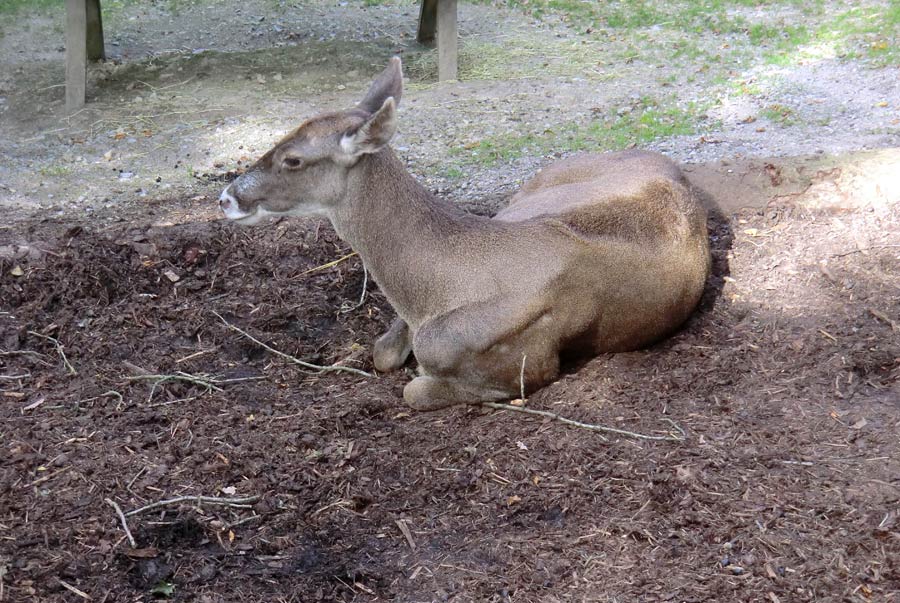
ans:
(512, 500)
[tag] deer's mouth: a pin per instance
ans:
(232, 210)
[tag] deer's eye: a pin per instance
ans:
(292, 163)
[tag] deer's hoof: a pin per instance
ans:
(430, 393)
(388, 360)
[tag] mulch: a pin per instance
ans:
(786, 383)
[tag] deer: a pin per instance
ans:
(596, 253)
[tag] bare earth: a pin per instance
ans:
(786, 384)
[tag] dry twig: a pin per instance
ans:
(242, 503)
(328, 265)
(121, 515)
(863, 250)
(314, 367)
(672, 437)
(72, 589)
(59, 350)
(209, 384)
(14, 377)
(895, 326)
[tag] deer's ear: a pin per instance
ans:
(373, 135)
(388, 84)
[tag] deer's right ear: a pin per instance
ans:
(373, 135)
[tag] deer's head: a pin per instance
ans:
(306, 172)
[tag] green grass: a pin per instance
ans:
(647, 121)
(55, 170)
(779, 114)
(868, 32)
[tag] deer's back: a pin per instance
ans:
(632, 195)
(638, 256)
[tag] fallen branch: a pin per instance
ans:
(59, 350)
(121, 515)
(672, 437)
(242, 503)
(314, 367)
(209, 384)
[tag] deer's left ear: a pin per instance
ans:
(373, 135)
(388, 83)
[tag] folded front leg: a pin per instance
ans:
(476, 353)
(392, 349)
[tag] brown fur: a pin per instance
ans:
(598, 253)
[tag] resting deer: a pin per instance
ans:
(598, 253)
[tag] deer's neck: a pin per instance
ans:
(403, 234)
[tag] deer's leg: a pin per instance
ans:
(475, 354)
(393, 348)
(433, 393)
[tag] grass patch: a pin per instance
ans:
(832, 29)
(645, 122)
(51, 171)
(780, 114)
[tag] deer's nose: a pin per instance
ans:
(227, 202)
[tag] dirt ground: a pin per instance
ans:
(786, 383)
(121, 381)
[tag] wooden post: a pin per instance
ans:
(427, 22)
(447, 39)
(95, 50)
(76, 53)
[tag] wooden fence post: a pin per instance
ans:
(95, 49)
(76, 53)
(447, 40)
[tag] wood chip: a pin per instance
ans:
(35, 404)
(404, 529)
